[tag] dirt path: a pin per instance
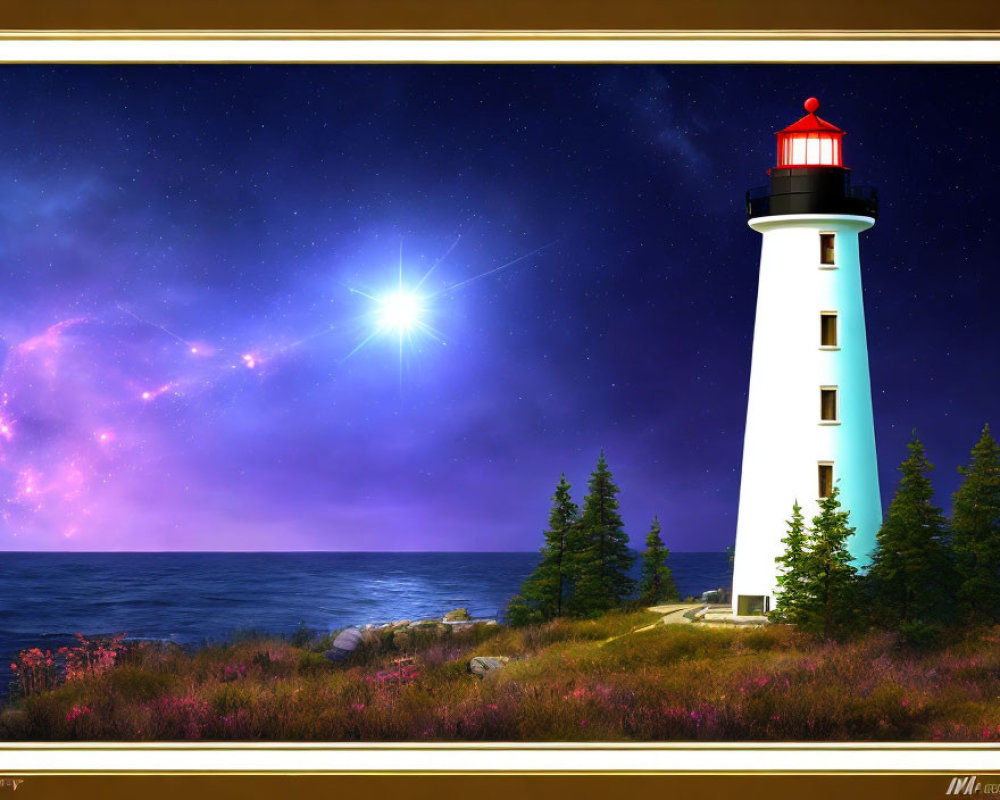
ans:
(673, 613)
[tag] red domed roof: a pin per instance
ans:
(810, 142)
(810, 122)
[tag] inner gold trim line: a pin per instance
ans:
(501, 35)
(375, 747)
(485, 773)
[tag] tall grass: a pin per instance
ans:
(596, 680)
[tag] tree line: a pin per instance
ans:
(927, 571)
(585, 560)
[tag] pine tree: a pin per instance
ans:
(520, 612)
(976, 532)
(543, 594)
(600, 550)
(909, 575)
(829, 601)
(791, 597)
(656, 584)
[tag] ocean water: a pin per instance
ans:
(192, 597)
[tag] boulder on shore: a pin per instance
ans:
(458, 615)
(481, 665)
(346, 643)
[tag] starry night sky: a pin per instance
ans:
(189, 256)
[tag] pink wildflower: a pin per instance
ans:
(232, 672)
(76, 712)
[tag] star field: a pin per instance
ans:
(196, 262)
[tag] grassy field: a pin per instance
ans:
(566, 682)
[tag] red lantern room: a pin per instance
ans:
(810, 142)
(811, 177)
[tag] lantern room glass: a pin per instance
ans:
(810, 149)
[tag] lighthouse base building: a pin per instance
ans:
(809, 414)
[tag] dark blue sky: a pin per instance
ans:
(183, 249)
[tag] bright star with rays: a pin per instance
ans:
(400, 311)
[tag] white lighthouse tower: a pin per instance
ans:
(809, 414)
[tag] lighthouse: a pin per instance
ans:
(809, 413)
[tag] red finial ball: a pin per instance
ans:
(811, 105)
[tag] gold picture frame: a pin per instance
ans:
(108, 31)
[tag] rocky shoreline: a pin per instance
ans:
(458, 619)
(401, 632)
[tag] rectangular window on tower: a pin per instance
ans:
(828, 329)
(825, 479)
(826, 249)
(752, 605)
(828, 403)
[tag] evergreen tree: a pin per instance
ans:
(656, 584)
(909, 575)
(976, 532)
(790, 599)
(520, 612)
(543, 594)
(829, 580)
(601, 558)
